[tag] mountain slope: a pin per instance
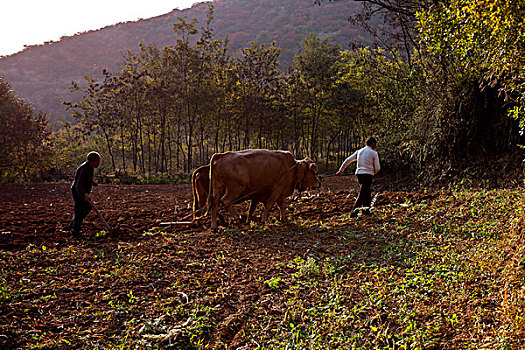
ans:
(42, 74)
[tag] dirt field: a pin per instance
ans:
(39, 213)
(103, 289)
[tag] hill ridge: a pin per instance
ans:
(42, 74)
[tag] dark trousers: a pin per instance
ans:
(365, 193)
(82, 209)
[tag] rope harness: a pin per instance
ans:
(324, 176)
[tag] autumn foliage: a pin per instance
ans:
(25, 142)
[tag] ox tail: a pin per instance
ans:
(210, 187)
(194, 190)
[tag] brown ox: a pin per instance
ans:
(200, 183)
(271, 175)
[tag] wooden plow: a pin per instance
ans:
(108, 227)
(184, 223)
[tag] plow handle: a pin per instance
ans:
(99, 214)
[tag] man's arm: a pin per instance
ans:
(347, 162)
(82, 178)
(377, 166)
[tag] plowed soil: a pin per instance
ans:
(104, 286)
(40, 213)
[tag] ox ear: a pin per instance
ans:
(301, 169)
(310, 164)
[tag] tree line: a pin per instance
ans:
(25, 139)
(167, 110)
(433, 93)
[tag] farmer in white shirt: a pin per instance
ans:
(367, 166)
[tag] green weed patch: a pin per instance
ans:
(447, 271)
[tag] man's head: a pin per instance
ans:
(93, 159)
(372, 142)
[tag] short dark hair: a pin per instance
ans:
(370, 141)
(93, 156)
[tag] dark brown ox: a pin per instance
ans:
(200, 183)
(272, 175)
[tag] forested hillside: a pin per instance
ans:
(43, 74)
(445, 102)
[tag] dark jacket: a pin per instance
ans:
(83, 180)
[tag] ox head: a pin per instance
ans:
(307, 175)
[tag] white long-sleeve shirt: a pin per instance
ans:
(367, 161)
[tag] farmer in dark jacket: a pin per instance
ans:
(81, 188)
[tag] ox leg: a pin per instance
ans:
(233, 213)
(214, 204)
(198, 207)
(282, 208)
(267, 207)
(228, 198)
(253, 206)
(214, 215)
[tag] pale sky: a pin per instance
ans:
(30, 22)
